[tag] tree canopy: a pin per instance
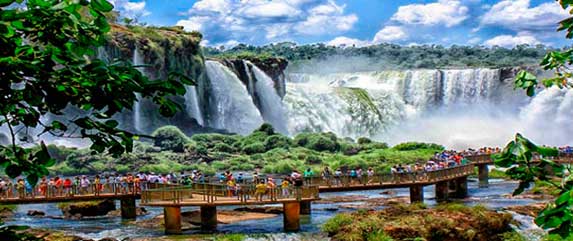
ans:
(48, 65)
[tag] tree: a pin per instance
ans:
(518, 155)
(48, 66)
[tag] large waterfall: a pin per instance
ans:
(455, 107)
(233, 109)
(270, 102)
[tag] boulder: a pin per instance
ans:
(87, 209)
(35, 213)
(139, 211)
(6, 212)
(271, 210)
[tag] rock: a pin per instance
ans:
(35, 213)
(108, 239)
(192, 219)
(530, 210)
(343, 199)
(87, 209)
(6, 212)
(139, 211)
(388, 192)
(272, 210)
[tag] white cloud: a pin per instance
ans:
(518, 15)
(509, 41)
(253, 20)
(474, 41)
(343, 41)
(443, 12)
(389, 34)
(131, 9)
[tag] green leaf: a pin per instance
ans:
(101, 5)
(13, 171)
(32, 179)
(563, 198)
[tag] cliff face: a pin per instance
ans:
(273, 67)
(161, 51)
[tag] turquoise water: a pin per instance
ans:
(102, 227)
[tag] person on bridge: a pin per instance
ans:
(59, 186)
(326, 175)
(337, 175)
(308, 174)
(260, 190)
(370, 174)
(285, 184)
(68, 187)
(84, 184)
(231, 185)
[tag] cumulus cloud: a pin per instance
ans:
(510, 41)
(443, 12)
(389, 34)
(130, 9)
(519, 15)
(251, 21)
(343, 41)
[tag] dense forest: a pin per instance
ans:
(392, 56)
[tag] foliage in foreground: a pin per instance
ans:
(48, 65)
(416, 222)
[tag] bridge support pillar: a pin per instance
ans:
(208, 218)
(483, 176)
(416, 193)
(291, 216)
(305, 208)
(461, 187)
(128, 208)
(172, 219)
(442, 190)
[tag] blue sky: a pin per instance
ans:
(359, 22)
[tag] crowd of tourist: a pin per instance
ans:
(135, 183)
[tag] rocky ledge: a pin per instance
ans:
(192, 219)
(413, 222)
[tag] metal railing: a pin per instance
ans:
(240, 194)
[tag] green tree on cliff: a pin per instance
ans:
(518, 155)
(48, 65)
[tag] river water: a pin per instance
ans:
(98, 228)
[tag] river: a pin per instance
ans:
(98, 228)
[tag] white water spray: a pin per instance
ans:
(137, 60)
(232, 108)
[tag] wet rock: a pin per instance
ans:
(35, 213)
(192, 219)
(530, 210)
(87, 209)
(6, 212)
(139, 211)
(343, 199)
(388, 192)
(273, 210)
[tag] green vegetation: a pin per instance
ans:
(416, 222)
(172, 151)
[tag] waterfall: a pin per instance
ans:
(271, 104)
(137, 60)
(232, 107)
(192, 104)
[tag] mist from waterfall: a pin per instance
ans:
(271, 104)
(232, 108)
(137, 122)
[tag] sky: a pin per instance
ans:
(503, 23)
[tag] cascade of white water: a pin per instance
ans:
(192, 104)
(232, 106)
(270, 102)
(138, 60)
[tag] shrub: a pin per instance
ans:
(409, 146)
(254, 148)
(318, 141)
(364, 140)
(210, 140)
(313, 160)
(349, 149)
(145, 147)
(222, 147)
(267, 129)
(336, 224)
(170, 138)
(277, 141)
